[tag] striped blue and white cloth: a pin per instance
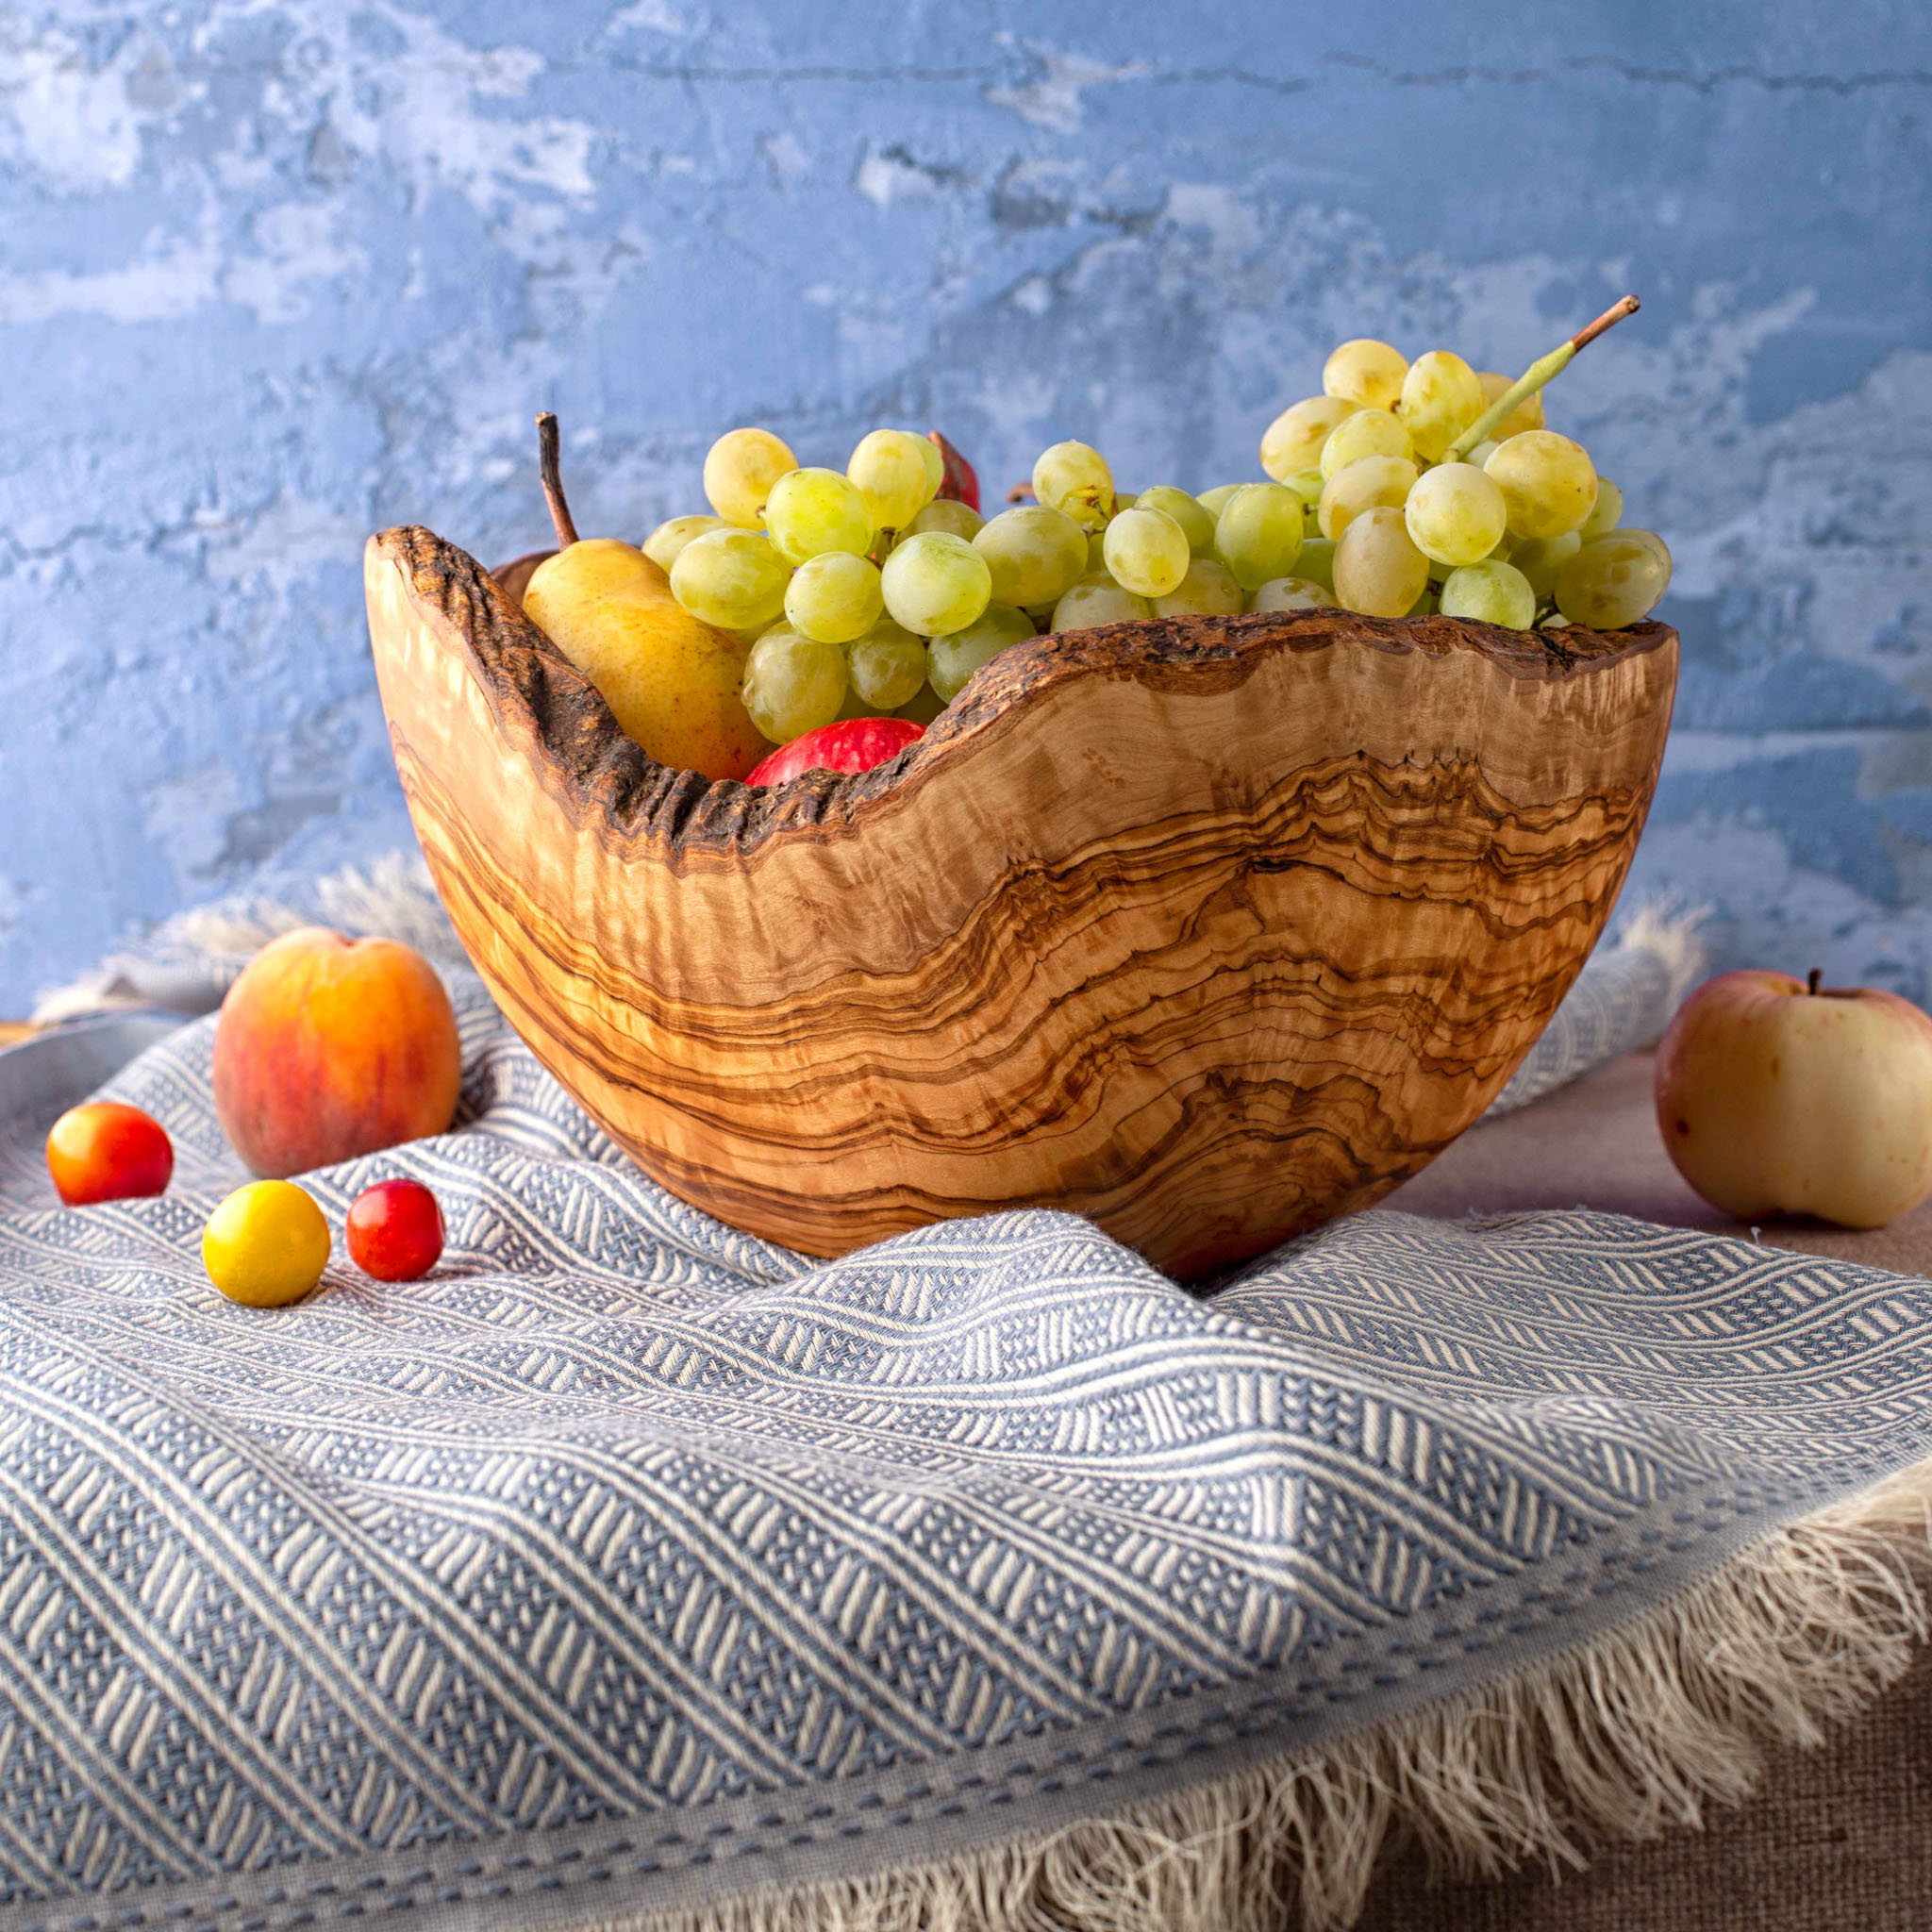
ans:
(629, 1563)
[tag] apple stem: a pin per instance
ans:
(553, 481)
(1814, 979)
(1535, 375)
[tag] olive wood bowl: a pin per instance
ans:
(1210, 929)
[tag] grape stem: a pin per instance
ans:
(1533, 378)
(553, 481)
(1813, 980)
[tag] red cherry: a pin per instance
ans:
(852, 745)
(395, 1230)
(108, 1151)
(959, 482)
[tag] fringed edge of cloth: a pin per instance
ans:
(1637, 1731)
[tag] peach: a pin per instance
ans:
(328, 1048)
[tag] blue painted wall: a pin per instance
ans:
(273, 276)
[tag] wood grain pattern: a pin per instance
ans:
(1210, 929)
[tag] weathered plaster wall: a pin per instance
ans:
(275, 272)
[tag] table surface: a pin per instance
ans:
(1594, 1143)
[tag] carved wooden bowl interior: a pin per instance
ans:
(1210, 929)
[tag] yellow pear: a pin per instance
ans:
(672, 682)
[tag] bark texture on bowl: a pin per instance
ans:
(1211, 929)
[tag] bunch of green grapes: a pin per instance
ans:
(1431, 499)
(1404, 487)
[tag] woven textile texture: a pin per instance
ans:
(629, 1560)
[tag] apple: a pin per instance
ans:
(851, 745)
(1777, 1095)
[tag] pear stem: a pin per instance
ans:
(1814, 980)
(1533, 378)
(553, 481)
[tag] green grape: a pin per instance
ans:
(1455, 513)
(1291, 594)
(1365, 372)
(1293, 440)
(1378, 571)
(1425, 604)
(944, 513)
(1651, 538)
(1073, 478)
(1148, 551)
(1528, 415)
(1209, 590)
(1490, 594)
(1499, 553)
(935, 466)
(732, 578)
(834, 597)
(1186, 511)
(1367, 433)
(886, 665)
(1033, 553)
(1124, 499)
(739, 469)
(1216, 500)
(1308, 484)
(952, 660)
(1605, 514)
(1097, 553)
(1096, 599)
(1614, 580)
(1481, 453)
(1548, 483)
(935, 583)
(792, 684)
(854, 706)
(1540, 558)
(1441, 398)
(1259, 535)
(890, 467)
(1370, 483)
(663, 545)
(1315, 561)
(813, 512)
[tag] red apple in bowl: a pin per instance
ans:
(1777, 1095)
(852, 744)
